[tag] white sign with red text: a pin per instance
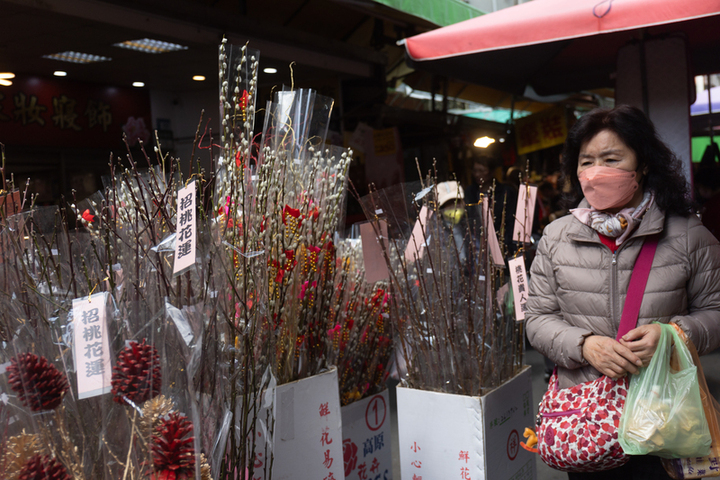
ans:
(367, 445)
(445, 436)
(307, 438)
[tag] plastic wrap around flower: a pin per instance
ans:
(39, 385)
(135, 130)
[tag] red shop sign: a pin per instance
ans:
(37, 111)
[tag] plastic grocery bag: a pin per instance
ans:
(664, 413)
(709, 465)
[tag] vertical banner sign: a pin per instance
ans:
(91, 345)
(524, 214)
(185, 229)
(518, 279)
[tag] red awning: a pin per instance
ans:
(563, 45)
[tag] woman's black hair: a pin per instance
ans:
(664, 171)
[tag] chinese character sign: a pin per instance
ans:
(446, 444)
(518, 280)
(65, 113)
(91, 345)
(541, 130)
(185, 229)
(307, 436)
(367, 438)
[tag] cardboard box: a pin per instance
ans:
(367, 441)
(307, 438)
(460, 437)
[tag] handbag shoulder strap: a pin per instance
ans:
(636, 290)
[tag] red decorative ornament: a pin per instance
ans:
(39, 384)
(288, 211)
(43, 467)
(136, 376)
(173, 450)
(87, 216)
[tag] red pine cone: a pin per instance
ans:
(39, 384)
(137, 373)
(173, 449)
(43, 467)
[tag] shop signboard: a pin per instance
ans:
(541, 130)
(56, 112)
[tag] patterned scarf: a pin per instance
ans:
(615, 225)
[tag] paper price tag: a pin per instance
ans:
(416, 245)
(502, 291)
(524, 214)
(495, 253)
(186, 229)
(518, 280)
(91, 348)
(375, 266)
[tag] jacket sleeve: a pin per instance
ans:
(702, 323)
(547, 330)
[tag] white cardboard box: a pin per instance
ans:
(444, 436)
(367, 441)
(308, 430)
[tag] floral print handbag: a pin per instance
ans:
(577, 427)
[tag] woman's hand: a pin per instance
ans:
(610, 357)
(642, 341)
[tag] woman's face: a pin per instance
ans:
(608, 150)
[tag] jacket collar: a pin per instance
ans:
(652, 223)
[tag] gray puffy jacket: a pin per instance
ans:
(578, 287)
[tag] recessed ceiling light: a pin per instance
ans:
(483, 142)
(148, 45)
(60, 73)
(77, 57)
(138, 84)
(6, 75)
(270, 70)
(199, 78)
(5, 83)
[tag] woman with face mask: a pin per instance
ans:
(625, 185)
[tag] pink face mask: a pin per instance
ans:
(606, 187)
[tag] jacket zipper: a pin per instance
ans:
(613, 288)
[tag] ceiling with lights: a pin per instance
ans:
(172, 45)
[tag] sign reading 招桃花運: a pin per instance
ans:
(91, 346)
(185, 229)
